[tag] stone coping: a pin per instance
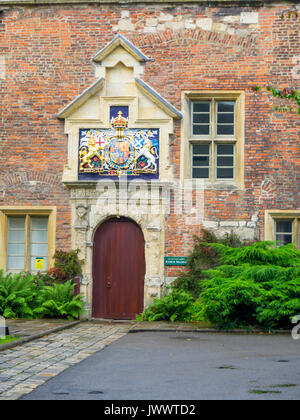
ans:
(128, 2)
(165, 326)
(201, 327)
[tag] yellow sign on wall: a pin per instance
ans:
(39, 263)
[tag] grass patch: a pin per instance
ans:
(284, 386)
(260, 392)
(7, 340)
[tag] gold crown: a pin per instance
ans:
(119, 121)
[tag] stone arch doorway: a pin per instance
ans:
(118, 270)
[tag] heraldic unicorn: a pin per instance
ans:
(119, 151)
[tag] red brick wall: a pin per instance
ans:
(48, 51)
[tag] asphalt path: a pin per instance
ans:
(183, 366)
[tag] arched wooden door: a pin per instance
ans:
(118, 270)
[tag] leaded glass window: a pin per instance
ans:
(213, 139)
(27, 242)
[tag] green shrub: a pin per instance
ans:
(204, 257)
(177, 306)
(45, 279)
(258, 253)
(58, 301)
(258, 285)
(245, 285)
(67, 265)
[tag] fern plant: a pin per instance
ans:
(58, 301)
(26, 296)
(18, 295)
(177, 306)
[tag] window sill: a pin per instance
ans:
(207, 139)
(219, 185)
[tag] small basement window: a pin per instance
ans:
(283, 227)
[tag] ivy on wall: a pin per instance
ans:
(289, 15)
(289, 94)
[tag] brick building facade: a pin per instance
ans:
(186, 69)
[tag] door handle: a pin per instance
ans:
(108, 284)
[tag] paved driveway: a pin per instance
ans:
(183, 366)
(27, 366)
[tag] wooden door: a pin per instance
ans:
(118, 270)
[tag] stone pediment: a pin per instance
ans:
(119, 87)
(81, 99)
(96, 87)
(117, 62)
(120, 40)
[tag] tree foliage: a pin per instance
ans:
(234, 285)
(204, 257)
(258, 285)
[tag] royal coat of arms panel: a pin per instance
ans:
(118, 151)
